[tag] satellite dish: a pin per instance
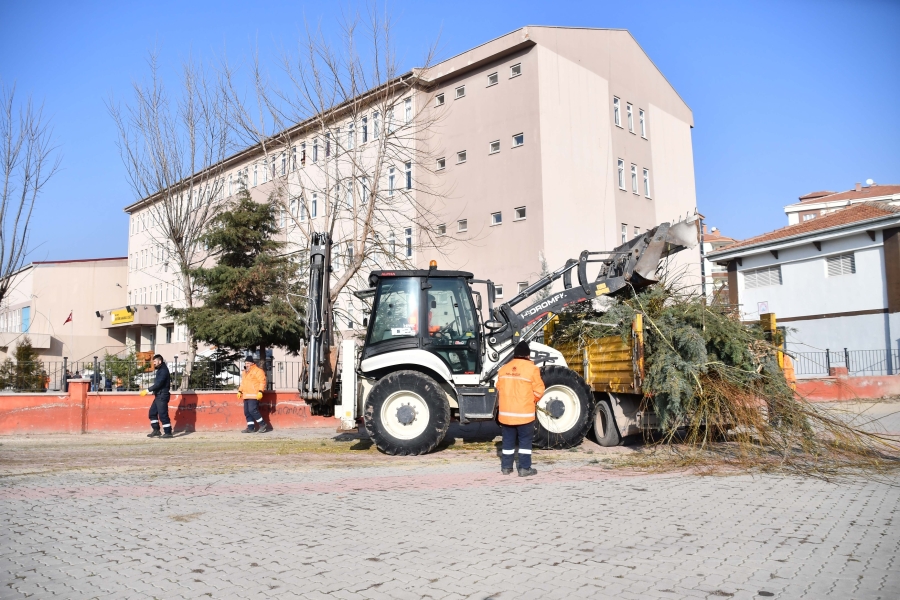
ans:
(869, 182)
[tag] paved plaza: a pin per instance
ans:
(308, 514)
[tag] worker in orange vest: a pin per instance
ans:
(520, 387)
(253, 384)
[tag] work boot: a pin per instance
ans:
(167, 435)
(527, 472)
(249, 429)
(154, 433)
(263, 427)
(506, 471)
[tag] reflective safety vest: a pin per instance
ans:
(519, 386)
(253, 381)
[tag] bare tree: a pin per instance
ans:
(29, 161)
(344, 147)
(173, 150)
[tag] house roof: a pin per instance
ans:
(815, 195)
(852, 215)
(866, 193)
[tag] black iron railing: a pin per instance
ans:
(857, 362)
(130, 375)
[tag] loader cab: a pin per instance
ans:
(429, 310)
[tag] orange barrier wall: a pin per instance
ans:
(843, 389)
(82, 411)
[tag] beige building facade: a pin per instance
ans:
(42, 296)
(542, 143)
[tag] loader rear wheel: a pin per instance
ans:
(407, 413)
(568, 406)
(605, 429)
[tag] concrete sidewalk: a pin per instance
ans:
(309, 514)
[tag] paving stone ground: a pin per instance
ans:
(205, 517)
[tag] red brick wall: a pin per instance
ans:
(86, 412)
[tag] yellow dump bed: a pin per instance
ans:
(607, 364)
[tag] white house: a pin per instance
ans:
(833, 281)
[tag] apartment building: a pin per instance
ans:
(541, 143)
(820, 203)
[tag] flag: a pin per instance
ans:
(69, 318)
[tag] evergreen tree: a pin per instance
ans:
(27, 372)
(244, 297)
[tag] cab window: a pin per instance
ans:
(396, 310)
(452, 326)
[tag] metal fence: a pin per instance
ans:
(131, 375)
(857, 362)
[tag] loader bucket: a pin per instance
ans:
(666, 240)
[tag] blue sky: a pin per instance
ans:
(788, 97)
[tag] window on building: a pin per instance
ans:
(494, 147)
(303, 154)
(284, 163)
(328, 144)
(461, 157)
(462, 225)
(643, 122)
(349, 194)
(461, 91)
(442, 229)
(170, 329)
(392, 243)
(441, 163)
(349, 254)
(498, 290)
(409, 241)
(809, 217)
(647, 182)
(842, 264)
(314, 206)
(230, 186)
(365, 129)
(407, 110)
(439, 100)
(493, 79)
(315, 154)
(303, 211)
(365, 191)
(351, 135)
(255, 174)
(523, 285)
(391, 181)
(629, 112)
(515, 70)
(496, 218)
(518, 140)
(617, 115)
(620, 167)
(624, 233)
(766, 276)
(519, 214)
(408, 167)
(637, 231)
(376, 125)
(294, 158)
(634, 179)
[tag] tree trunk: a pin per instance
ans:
(192, 342)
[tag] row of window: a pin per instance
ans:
(517, 141)
(520, 287)
(835, 266)
(155, 294)
(620, 169)
(492, 80)
(629, 115)
(462, 225)
(146, 258)
(637, 232)
(16, 321)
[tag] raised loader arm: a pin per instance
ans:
(633, 264)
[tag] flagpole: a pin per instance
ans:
(72, 334)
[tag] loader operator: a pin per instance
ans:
(253, 383)
(519, 386)
(159, 410)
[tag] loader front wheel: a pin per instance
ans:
(565, 410)
(407, 413)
